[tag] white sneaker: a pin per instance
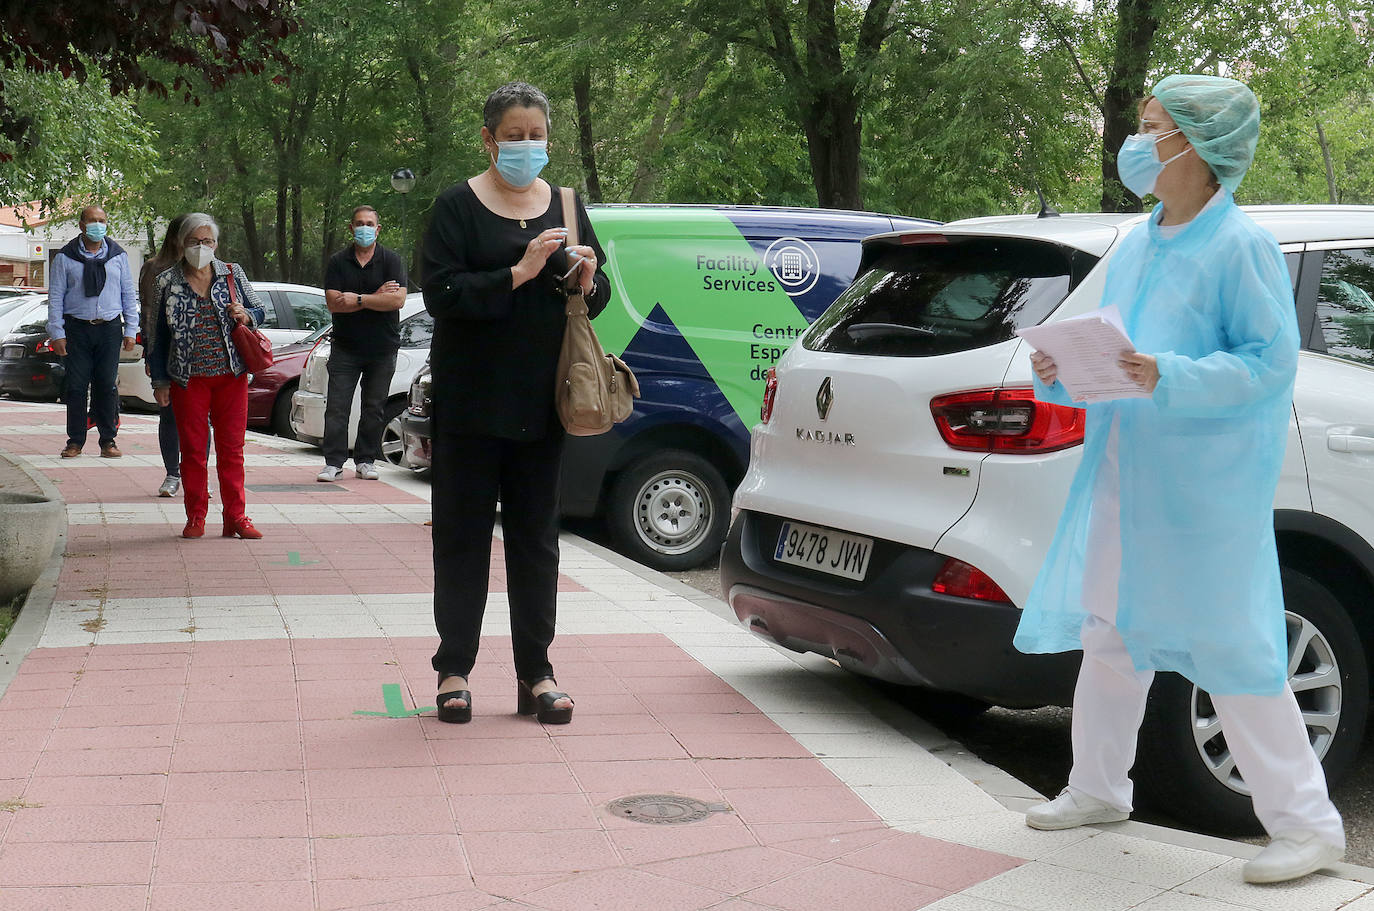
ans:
(367, 471)
(170, 485)
(1072, 809)
(1289, 856)
(329, 473)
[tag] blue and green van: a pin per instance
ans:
(704, 299)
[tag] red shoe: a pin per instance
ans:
(195, 528)
(242, 528)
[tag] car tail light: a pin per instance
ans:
(963, 580)
(770, 394)
(1006, 420)
(44, 347)
(138, 337)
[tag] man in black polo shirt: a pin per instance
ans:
(365, 287)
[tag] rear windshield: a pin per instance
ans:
(942, 298)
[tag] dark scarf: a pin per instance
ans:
(92, 267)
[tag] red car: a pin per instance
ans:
(269, 392)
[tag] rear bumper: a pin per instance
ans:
(32, 378)
(307, 417)
(891, 626)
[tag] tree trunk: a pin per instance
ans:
(283, 261)
(251, 240)
(1135, 34)
(833, 128)
(582, 96)
(297, 233)
(1326, 159)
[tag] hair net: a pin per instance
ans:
(1219, 116)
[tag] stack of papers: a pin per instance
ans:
(1085, 350)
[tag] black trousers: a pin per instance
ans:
(92, 364)
(345, 369)
(469, 474)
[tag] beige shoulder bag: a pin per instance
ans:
(595, 390)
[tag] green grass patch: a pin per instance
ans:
(9, 612)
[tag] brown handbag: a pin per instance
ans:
(595, 390)
(254, 347)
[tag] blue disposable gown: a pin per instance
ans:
(1199, 461)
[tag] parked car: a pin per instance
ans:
(19, 308)
(10, 292)
(292, 313)
(29, 368)
(704, 299)
(902, 438)
(308, 402)
(270, 390)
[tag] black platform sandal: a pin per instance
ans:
(456, 714)
(542, 706)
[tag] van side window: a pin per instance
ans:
(1345, 304)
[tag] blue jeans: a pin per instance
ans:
(92, 369)
(345, 370)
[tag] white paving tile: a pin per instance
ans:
(1004, 832)
(916, 768)
(857, 745)
(1038, 886)
(1366, 903)
(961, 902)
(1136, 859)
(1311, 893)
(916, 803)
(1177, 901)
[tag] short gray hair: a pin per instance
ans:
(513, 95)
(193, 222)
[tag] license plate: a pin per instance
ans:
(12, 353)
(824, 550)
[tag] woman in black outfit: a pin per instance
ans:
(493, 263)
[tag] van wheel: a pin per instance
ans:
(669, 510)
(393, 444)
(281, 412)
(1183, 765)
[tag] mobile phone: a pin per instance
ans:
(577, 261)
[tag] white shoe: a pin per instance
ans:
(367, 471)
(1072, 809)
(170, 485)
(329, 473)
(1289, 856)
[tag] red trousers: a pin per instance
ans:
(221, 401)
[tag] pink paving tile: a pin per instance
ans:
(510, 778)
(659, 745)
(372, 755)
(765, 805)
(238, 712)
(209, 733)
(608, 704)
(28, 719)
(236, 757)
(28, 741)
(236, 819)
(767, 773)
(75, 863)
(645, 844)
(91, 823)
(829, 886)
(382, 857)
(733, 871)
(613, 890)
(123, 695)
(930, 862)
(743, 746)
(35, 699)
(77, 898)
(641, 776)
(523, 812)
(539, 853)
(128, 761)
(836, 843)
(705, 685)
(28, 679)
(348, 783)
(715, 704)
(215, 675)
(96, 790)
(484, 726)
(113, 737)
(380, 816)
(495, 750)
(511, 885)
(232, 860)
(681, 667)
(443, 893)
(613, 725)
(94, 716)
(156, 676)
(218, 896)
(202, 787)
(18, 764)
(788, 834)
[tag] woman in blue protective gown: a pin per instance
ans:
(1164, 558)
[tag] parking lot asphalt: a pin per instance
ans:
(248, 724)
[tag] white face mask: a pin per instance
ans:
(199, 256)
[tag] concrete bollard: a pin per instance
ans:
(29, 524)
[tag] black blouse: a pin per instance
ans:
(495, 350)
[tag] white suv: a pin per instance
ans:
(905, 484)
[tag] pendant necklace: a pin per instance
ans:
(522, 222)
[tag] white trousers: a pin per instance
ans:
(1266, 734)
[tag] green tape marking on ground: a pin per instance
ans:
(293, 558)
(395, 705)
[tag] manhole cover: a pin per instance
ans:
(664, 809)
(294, 488)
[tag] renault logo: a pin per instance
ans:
(824, 399)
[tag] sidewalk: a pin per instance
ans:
(225, 724)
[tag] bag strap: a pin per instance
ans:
(233, 298)
(569, 214)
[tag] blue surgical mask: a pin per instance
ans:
(364, 235)
(96, 231)
(1138, 164)
(520, 162)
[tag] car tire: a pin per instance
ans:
(669, 510)
(1183, 767)
(281, 412)
(393, 443)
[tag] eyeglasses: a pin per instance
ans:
(202, 242)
